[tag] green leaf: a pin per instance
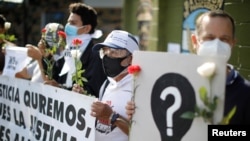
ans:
(79, 82)
(197, 111)
(8, 37)
(212, 106)
(228, 117)
(79, 64)
(80, 72)
(188, 115)
(53, 49)
(12, 38)
(77, 77)
(2, 36)
(84, 79)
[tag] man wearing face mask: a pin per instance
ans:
(116, 54)
(215, 36)
(81, 24)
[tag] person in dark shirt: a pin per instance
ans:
(215, 36)
(81, 24)
(217, 28)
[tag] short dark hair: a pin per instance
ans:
(87, 13)
(2, 21)
(214, 13)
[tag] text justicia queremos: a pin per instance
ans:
(46, 106)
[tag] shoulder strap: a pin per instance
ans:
(103, 88)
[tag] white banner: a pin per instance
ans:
(169, 86)
(38, 112)
(16, 59)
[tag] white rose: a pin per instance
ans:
(75, 53)
(53, 26)
(206, 69)
(7, 25)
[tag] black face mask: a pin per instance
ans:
(112, 66)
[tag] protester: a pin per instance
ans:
(81, 24)
(215, 36)
(116, 54)
(4, 26)
(41, 55)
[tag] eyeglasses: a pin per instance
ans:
(113, 53)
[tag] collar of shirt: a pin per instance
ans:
(114, 84)
(232, 75)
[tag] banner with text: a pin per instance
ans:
(34, 111)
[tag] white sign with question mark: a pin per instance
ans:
(165, 90)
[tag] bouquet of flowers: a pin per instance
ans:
(52, 49)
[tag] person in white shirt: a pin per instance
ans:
(36, 70)
(116, 54)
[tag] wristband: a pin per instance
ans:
(114, 118)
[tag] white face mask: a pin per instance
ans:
(215, 48)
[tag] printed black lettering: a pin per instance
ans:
(49, 107)
(19, 118)
(42, 104)
(38, 130)
(5, 112)
(81, 124)
(58, 111)
(70, 115)
(10, 93)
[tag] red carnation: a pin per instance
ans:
(77, 42)
(134, 69)
(61, 34)
(43, 30)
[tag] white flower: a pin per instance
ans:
(75, 53)
(207, 69)
(53, 27)
(7, 25)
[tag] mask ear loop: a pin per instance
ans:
(81, 27)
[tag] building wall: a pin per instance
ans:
(170, 29)
(239, 10)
